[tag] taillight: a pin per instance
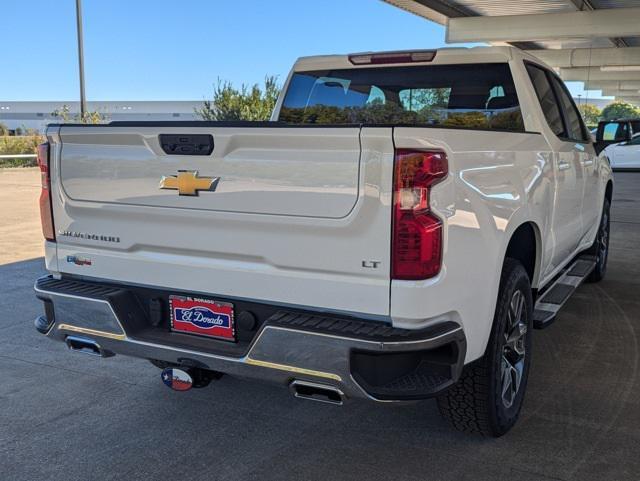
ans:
(417, 233)
(46, 213)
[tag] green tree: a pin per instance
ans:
(93, 117)
(620, 110)
(509, 120)
(590, 113)
(471, 120)
(246, 103)
(4, 130)
(23, 144)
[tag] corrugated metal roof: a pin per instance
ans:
(496, 8)
(601, 4)
(509, 7)
(512, 7)
(614, 3)
(441, 10)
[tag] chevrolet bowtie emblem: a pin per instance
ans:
(187, 182)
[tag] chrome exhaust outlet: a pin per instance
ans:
(317, 392)
(87, 346)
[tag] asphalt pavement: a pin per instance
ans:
(67, 416)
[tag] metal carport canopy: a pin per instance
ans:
(593, 41)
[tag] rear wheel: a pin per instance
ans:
(489, 395)
(600, 247)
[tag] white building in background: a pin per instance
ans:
(36, 115)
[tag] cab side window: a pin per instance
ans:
(547, 98)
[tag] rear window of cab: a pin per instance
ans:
(473, 96)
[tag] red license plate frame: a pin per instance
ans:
(202, 317)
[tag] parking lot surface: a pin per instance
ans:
(67, 416)
(20, 232)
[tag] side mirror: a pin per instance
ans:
(613, 132)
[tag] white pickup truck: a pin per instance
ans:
(394, 233)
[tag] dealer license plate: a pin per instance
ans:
(203, 317)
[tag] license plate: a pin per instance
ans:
(203, 317)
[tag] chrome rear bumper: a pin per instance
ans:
(363, 359)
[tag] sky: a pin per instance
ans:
(176, 50)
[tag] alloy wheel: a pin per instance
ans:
(514, 351)
(603, 240)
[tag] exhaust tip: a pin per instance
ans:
(86, 346)
(317, 392)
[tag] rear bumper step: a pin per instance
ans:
(319, 357)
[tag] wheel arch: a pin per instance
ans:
(525, 245)
(608, 191)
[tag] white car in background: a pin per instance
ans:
(625, 155)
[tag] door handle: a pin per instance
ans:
(562, 165)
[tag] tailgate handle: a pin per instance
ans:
(186, 144)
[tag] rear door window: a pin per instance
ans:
(473, 96)
(547, 98)
(573, 120)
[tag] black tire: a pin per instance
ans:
(600, 247)
(475, 403)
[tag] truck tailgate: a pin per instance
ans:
(294, 215)
(302, 172)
